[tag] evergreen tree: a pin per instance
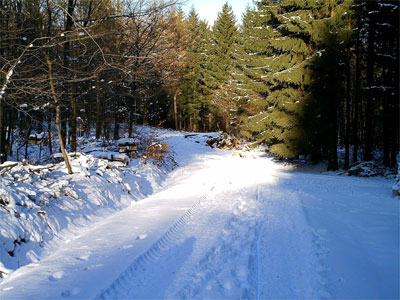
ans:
(251, 88)
(327, 89)
(224, 39)
(291, 23)
(195, 77)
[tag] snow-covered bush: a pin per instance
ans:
(366, 169)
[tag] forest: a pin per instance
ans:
(305, 77)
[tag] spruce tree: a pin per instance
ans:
(251, 88)
(194, 85)
(327, 95)
(224, 39)
(291, 49)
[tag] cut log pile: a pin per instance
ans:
(226, 141)
(128, 146)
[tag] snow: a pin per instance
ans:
(6, 81)
(113, 156)
(127, 141)
(37, 136)
(218, 226)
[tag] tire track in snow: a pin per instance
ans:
(290, 265)
(121, 284)
(229, 268)
(259, 234)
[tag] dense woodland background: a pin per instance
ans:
(305, 77)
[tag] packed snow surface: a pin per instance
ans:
(228, 226)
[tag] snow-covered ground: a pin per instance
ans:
(225, 226)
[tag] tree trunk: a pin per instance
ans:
(57, 122)
(175, 109)
(9, 141)
(88, 114)
(73, 120)
(3, 155)
(180, 119)
(116, 126)
(357, 90)
(132, 110)
(369, 132)
(332, 107)
(27, 134)
(49, 130)
(347, 124)
(394, 101)
(98, 109)
(67, 54)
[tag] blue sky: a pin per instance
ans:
(208, 9)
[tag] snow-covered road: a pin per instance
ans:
(229, 227)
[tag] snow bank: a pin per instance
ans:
(37, 202)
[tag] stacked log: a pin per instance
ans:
(224, 141)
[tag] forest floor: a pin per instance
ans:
(224, 226)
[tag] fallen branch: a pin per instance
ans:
(8, 165)
(38, 169)
(18, 181)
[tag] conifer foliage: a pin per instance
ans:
(305, 77)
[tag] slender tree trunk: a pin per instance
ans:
(67, 56)
(98, 109)
(180, 119)
(3, 155)
(357, 90)
(39, 123)
(132, 109)
(394, 100)
(27, 134)
(387, 131)
(116, 126)
(9, 133)
(73, 126)
(332, 117)
(49, 131)
(57, 122)
(369, 132)
(347, 125)
(176, 109)
(88, 114)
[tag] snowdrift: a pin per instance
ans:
(37, 202)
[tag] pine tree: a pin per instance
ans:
(195, 79)
(382, 88)
(327, 97)
(224, 39)
(291, 48)
(252, 89)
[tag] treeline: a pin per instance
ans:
(81, 65)
(302, 76)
